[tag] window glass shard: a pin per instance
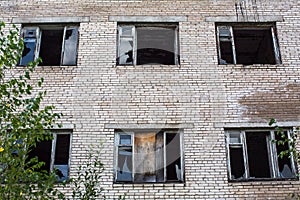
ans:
(284, 163)
(126, 40)
(69, 56)
(30, 36)
(124, 168)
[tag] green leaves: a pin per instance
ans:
(23, 123)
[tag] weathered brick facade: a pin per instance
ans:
(198, 96)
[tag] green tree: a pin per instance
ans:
(24, 122)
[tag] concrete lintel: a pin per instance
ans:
(64, 126)
(148, 126)
(233, 18)
(148, 18)
(256, 125)
(21, 20)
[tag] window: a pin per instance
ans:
(55, 154)
(148, 156)
(140, 44)
(55, 44)
(252, 154)
(247, 43)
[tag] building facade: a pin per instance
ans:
(179, 93)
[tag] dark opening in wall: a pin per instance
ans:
(258, 156)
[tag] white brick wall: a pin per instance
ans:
(200, 92)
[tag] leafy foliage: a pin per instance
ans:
(23, 123)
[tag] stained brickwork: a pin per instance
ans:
(198, 92)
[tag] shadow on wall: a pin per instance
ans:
(281, 103)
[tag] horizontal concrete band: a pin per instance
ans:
(147, 18)
(148, 126)
(256, 125)
(19, 20)
(264, 18)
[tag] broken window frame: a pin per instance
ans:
(231, 37)
(164, 154)
(272, 154)
(38, 37)
(133, 27)
(53, 153)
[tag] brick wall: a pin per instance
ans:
(200, 92)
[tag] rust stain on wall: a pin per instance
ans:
(282, 103)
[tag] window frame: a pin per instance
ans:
(255, 25)
(134, 36)
(117, 144)
(272, 154)
(53, 152)
(39, 31)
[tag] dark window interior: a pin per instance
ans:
(258, 155)
(226, 52)
(62, 149)
(155, 45)
(43, 152)
(173, 156)
(253, 46)
(237, 162)
(51, 45)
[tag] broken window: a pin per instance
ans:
(54, 44)
(55, 154)
(140, 44)
(253, 155)
(247, 44)
(149, 156)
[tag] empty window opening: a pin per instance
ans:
(54, 44)
(148, 156)
(55, 155)
(142, 44)
(253, 155)
(258, 155)
(247, 44)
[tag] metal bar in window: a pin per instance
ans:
(271, 147)
(233, 45)
(181, 156)
(289, 134)
(165, 158)
(245, 154)
(227, 138)
(275, 46)
(53, 151)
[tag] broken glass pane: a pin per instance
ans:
(126, 51)
(70, 46)
(124, 168)
(284, 162)
(28, 54)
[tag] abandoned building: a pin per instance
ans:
(178, 92)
